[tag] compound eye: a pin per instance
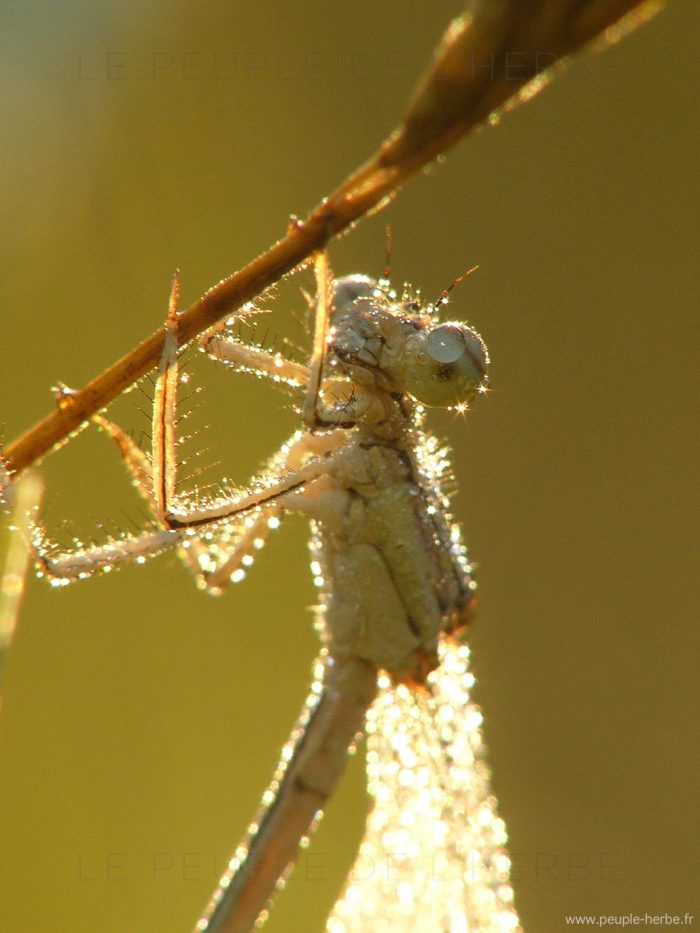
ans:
(441, 366)
(446, 344)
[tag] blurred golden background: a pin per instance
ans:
(142, 720)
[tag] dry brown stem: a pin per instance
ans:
(497, 54)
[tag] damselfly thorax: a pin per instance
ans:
(392, 571)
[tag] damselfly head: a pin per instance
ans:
(402, 348)
(444, 365)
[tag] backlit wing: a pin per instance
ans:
(433, 857)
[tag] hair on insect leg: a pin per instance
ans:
(143, 392)
(135, 525)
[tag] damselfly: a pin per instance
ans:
(396, 593)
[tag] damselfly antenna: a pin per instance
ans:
(388, 243)
(442, 299)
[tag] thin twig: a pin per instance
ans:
(497, 54)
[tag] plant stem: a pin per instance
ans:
(476, 75)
